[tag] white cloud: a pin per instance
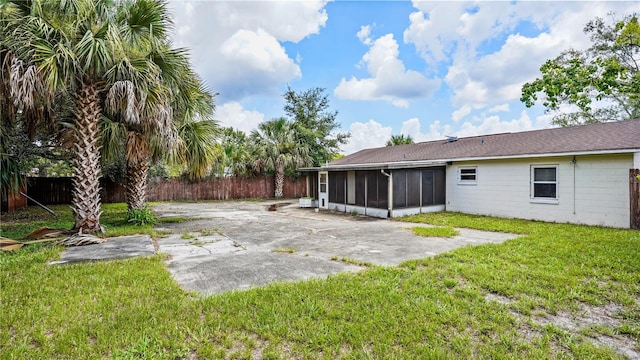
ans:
(215, 30)
(493, 125)
(258, 59)
(480, 126)
(389, 80)
(500, 108)
(364, 35)
(461, 113)
(437, 131)
(366, 135)
(431, 29)
(485, 64)
(232, 114)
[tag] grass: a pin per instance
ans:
(428, 308)
(114, 219)
(439, 231)
(284, 250)
(352, 261)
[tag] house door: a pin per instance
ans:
(323, 190)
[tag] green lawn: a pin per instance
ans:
(558, 291)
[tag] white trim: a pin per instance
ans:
(467, 181)
(532, 182)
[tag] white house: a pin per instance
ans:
(582, 174)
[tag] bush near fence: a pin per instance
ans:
(52, 191)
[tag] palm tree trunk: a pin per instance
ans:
(279, 180)
(137, 170)
(86, 178)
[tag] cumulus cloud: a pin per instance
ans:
(478, 126)
(236, 46)
(259, 61)
(389, 80)
(364, 35)
(494, 125)
(366, 135)
(499, 108)
(436, 130)
(484, 64)
(461, 113)
(233, 114)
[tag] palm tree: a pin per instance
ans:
(24, 105)
(171, 118)
(399, 140)
(80, 48)
(234, 154)
(279, 148)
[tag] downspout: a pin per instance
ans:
(389, 193)
(574, 161)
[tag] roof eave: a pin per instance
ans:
(441, 162)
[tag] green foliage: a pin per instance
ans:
(279, 147)
(439, 307)
(144, 216)
(602, 83)
(309, 111)
(17, 224)
(441, 231)
(234, 155)
(199, 152)
(401, 139)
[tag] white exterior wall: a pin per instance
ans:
(600, 195)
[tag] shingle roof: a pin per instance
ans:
(603, 137)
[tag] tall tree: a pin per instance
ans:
(172, 117)
(601, 83)
(278, 147)
(309, 111)
(26, 107)
(234, 154)
(401, 139)
(81, 49)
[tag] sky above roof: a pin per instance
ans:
(424, 69)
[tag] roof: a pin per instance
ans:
(622, 136)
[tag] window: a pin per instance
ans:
(323, 182)
(544, 182)
(468, 175)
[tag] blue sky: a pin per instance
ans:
(425, 69)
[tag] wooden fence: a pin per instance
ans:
(51, 191)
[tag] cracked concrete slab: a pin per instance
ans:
(236, 245)
(115, 248)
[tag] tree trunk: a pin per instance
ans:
(279, 178)
(86, 177)
(137, 169)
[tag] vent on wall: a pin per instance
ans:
(452, 138)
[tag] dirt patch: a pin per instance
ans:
(587, 316)
(501, 299)
(575, 322)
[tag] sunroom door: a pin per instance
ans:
(323, 190)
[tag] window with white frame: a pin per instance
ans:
(544, 182)
(468, 175)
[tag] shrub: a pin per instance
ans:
(142, 216)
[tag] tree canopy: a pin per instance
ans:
(599, 84)
(401, 139)
(316, 124)
(278, 146)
